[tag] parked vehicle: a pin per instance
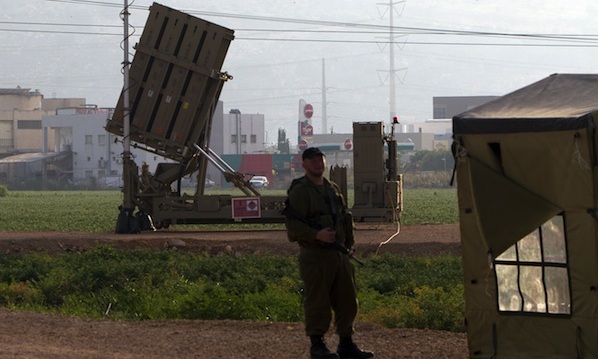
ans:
(259, 181)
(209, 183)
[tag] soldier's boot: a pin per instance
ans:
(318, 349)
(347, 349)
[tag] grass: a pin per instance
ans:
(63, 211)
(430, 206)
(97, 211)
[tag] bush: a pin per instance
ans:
(3, 191)
(146, 284)
(20, 294)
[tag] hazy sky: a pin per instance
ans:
(72, 48)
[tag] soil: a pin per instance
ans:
(35, 335)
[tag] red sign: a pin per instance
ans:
(348, 144)
(303, 145)
(246, 207)
(308, 111)
(307, 129)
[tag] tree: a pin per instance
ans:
(426, 160)
(283, 143)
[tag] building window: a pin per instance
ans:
(29, 124)
(101, 140)
(6, 142)
(88, 139)
(233, 138)
(253, 138)
(439, 112)
(88, 174)
(532, 275)
(243, 138)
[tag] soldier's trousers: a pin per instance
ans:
(329, 283)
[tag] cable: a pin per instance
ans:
(54, 24)
(382, 28)
(86, 2)
(383, 31)
(414, 42)
(324, 40)
(61, 32)
(129, 35)
(391, 237)
(580, 42)
(379, 29)
(397, 217)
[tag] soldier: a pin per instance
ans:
(318, 220)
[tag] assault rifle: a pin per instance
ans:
(288, 211)
(344, 250)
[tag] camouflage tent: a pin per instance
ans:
(527, 179)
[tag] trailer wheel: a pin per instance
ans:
(162, 224)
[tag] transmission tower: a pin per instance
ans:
(392, 70)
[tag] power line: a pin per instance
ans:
(87, 2)
(55, 24)
(374, 29)
(575, 44)
(417, 42)
(61, 32)
(384, 29)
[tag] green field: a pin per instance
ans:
(97, 211)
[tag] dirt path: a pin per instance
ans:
(411, 241)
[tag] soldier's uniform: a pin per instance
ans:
(313, 211)
(328, 275)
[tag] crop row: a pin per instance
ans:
(97, 211)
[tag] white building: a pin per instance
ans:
(242, 133)
(435, 126)
(97, 154)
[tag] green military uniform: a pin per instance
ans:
(327, 274)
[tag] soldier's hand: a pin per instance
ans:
(326, 235)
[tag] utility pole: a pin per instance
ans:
(128, 202)
(125, 223)
(324, 114)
